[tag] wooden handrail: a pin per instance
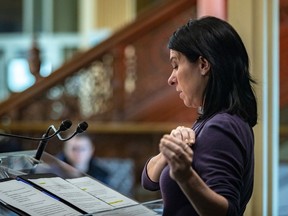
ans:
(142, 24)
(97, 127)
(108, 127)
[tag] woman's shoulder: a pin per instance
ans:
(226, 118)
(228, 122)
(224, 126)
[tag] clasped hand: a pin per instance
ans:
(176, 148)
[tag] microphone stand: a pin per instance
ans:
(42, 145)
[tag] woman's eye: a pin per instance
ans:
(175, 67)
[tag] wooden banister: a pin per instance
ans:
(97, 127)
(142, 24)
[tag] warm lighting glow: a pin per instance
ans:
(19, 76)
(213, 8)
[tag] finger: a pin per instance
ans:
(188, 135)
(176, 133)
(167, 151)
(171, 156)
(170, 143)
(172, 140)
(186, 147)
(191, 137)
(179, 163)
(174, 144)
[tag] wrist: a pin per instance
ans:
(188, 178)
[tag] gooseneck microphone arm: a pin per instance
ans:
(41, 147)
(65, 125)
(80, 128)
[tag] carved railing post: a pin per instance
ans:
(34, 59)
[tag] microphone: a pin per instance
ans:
(65, 125)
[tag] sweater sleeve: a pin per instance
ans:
(146, 182)
(224, 153)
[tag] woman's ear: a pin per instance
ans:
(204, 66)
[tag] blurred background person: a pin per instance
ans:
(79, 153)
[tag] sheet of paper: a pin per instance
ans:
(72, 194)
(102, 192)
(32, 201)
(138, 210)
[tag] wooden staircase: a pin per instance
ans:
(119, 87)
(146, 68)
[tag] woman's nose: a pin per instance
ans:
(172, 80)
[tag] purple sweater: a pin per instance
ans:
(223, 158)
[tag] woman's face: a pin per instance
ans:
(190, 79)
